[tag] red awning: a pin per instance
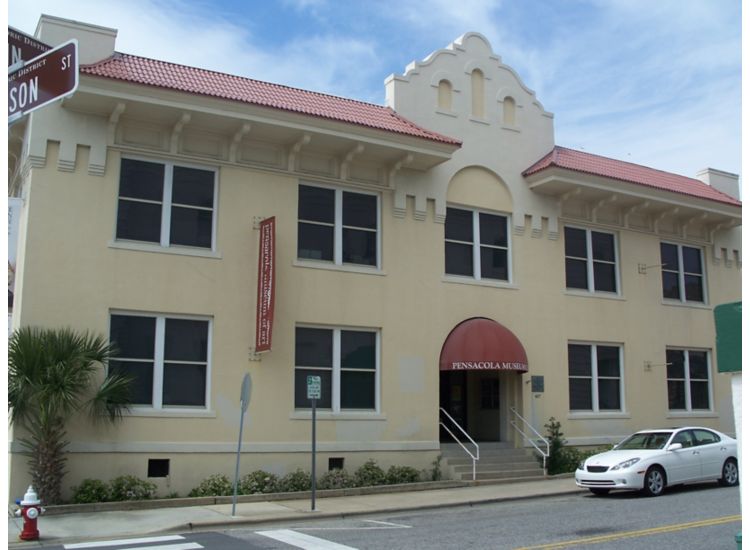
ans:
(482, 344)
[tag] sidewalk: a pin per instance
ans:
(119, 524)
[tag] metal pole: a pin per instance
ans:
(237, 466)
(313, 454)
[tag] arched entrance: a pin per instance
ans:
(480, 366)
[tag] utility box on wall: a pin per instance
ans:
(728, 319)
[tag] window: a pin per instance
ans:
(682, 273)
(445, 95)
(166, 204)
(338, 226)
(477, 93)
(345, 360)
(166, 357)
(476, 245)
(590, 260)
(688, 382)
(509, 111)
(489, 390)
(594, 377)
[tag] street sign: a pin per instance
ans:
(43, 79)
(245, 392)
(313, 387)
(22, 47)
(244, 402)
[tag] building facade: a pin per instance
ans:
(439, 253)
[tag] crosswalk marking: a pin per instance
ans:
(130, 542)
(300, 540)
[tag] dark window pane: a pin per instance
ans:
(698, 365)
(191, 227)
(459, 259)
(575, 243)
(357, 390)
(694, 288)
(604, 277)
(580, 394)
(313, 347)
(359, 247)
(704, 437)
(493, 230)
(184, 385)
(360, 210)
(142, 180)
(494, 263)
(691, 260)
(133, 335)
(675, 364)
(608, 361)
(579, 360)
(186, 340)
(316, 204)
(357, 349)
(193, 187)
(603, 246)
(669, 257)
(138, 221)
(699, 395)
(459, 225)
(142, 375)
(576, 274)
(609, 395)
(670, 285)
(314, 242)
(676, 391)
(300, 389)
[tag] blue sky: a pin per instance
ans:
(652, 82)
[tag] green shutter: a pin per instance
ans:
(728, 318)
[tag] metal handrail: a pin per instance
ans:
(474, 459)
(544, 454)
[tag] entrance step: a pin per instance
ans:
(496, 461)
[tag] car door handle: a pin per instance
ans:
(696, 452)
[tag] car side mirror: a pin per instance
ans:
(675, 447)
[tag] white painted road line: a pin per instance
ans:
(300, 540)
(123, 542)
(389, 524)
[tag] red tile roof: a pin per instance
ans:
(152, 72)
(586, 163)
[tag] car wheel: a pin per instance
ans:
(730, 475)
(599, 491)
(655, 481)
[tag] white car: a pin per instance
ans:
(652, 460)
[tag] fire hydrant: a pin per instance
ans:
(31, 508)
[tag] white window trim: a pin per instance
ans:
(338, 229)
(595, 411)
(681, 275)
(166, 207)
(336, 409)
(590, 263)
(686, 380)
(158, 380)
(476, 248)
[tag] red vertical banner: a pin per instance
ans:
(266, 285)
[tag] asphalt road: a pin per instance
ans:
(704, 517)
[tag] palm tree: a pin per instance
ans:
(54, 374)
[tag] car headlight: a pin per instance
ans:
(626, 464)
(582, 465)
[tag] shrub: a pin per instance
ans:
(258, 482)
(297, 480)
(369, 474)
(91, 490)
(335, 479)
(215, 485)
(401, 474)
(131, 488)
(436, 472)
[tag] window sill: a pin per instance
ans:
(602, 295)
(677, 303)
(329, 415)
(446, 113)
(145, 412)
(511, 128)
(480, 120)
(692, 414)
(180, 251)
(599, 416)
(346, 268)
(458, 280)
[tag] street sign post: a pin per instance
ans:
(22, 47)
(313, 394)
(42, 80)
(244, 402)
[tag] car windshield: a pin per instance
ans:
(651, 440)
